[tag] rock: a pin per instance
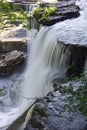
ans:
(13, 44)
(65, 10)
(21, 121)
(49, 115)
(23, 3)
(10, 62)
(62, 88)
(13, 39)
(16, 33)
(77, 60)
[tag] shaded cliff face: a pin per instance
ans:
(64, 10)
(77, 61)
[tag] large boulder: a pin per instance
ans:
(65, 10)
(10, 61)
(10, 44)
(13, 39)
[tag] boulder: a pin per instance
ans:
(10, 62)
(10, 44)
(13, 39)
(65, 10)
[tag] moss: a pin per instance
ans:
(48, 11)
(39, 110)
(3, 92)
(37, 10)
(45, 12)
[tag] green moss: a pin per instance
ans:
(37, 10)
(77, 99)
(46, 11)
(39, 110)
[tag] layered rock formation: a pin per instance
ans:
(65, 10)
(10, 61)
(14, 40)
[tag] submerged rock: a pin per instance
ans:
(65, 10)
(10, 62)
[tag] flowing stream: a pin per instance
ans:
(48, 61)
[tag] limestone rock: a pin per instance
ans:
(10, 62)
(13, 40)
(13, 44)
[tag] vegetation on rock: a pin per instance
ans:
(10, 13)
(77, 96)
(47, 11)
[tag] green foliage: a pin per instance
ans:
(46, 11)
(37, 10)
(77, 99)
(11, 14)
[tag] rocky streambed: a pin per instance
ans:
(50, 112)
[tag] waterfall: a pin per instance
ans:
(48, 61)
(49, 1)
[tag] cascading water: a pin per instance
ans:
(48, 62)
(74, 31)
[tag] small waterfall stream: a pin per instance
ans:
(48, 61)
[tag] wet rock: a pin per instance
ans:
(62, 88)
(65, 10)
(3, 94)
(78, 56)
(10, 62)
(49, 115)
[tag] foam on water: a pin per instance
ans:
(48, 61)
(74, 31)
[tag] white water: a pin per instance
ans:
(74, 31)
(49, 1)
(48, 61)
(43, 66)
